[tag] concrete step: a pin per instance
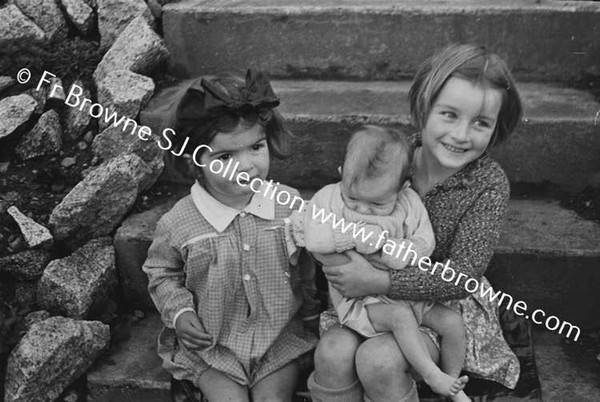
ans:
(567, 371)
(131, 371)
(548, 257)
(379, 39)
(557, 144)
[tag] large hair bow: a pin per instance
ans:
(257, 95)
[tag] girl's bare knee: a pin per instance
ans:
(337, 348)
(380, 356)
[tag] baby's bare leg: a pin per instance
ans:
(399, 319)
(449, 325)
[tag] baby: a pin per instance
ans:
(374, 211)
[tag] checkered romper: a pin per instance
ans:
(242, 285)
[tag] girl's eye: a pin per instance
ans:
(482, 124)
(448, 114)
(224, 157)
(258, 146)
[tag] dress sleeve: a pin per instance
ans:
(475, 238)
(164, 267)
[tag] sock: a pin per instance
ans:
(350, 393)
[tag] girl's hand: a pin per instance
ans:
(357, 278)
(191, 332)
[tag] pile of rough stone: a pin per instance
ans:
(60, 345)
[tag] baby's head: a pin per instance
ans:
(376, 165)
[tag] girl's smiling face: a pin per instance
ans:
(461, 123)
(248, 147)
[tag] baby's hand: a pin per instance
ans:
(375, 241)
(191, 332)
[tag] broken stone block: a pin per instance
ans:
(45, 138)
(97, 205)
(77, 120)
(35, 234)
(52, 354)
(123, 93)
(115, 15)
(138, 49)
(34, 317)
(81, 283)
(80, 14)
(26, 265)
(46, 15)
(14, 112)
(15, 27)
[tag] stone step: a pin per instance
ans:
(379, 39)
(131, 371)
(557, 144)
(567, 371)
(548, 257)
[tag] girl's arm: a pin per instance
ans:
(474, 241)
(164, 267)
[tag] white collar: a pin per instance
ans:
(220, 215)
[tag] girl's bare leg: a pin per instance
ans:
(334, 378)
(449, 325)
(216, 386)
(278, 386)
(399, 319)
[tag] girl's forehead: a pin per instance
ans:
(239, 138)
(479, 99)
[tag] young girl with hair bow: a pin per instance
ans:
(233, 302)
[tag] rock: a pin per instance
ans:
(35, 317)
(114, 141)
(97, 205)
(51, 355)
(57, 93)
(40, 97)
(82, 145)
(80, 13)
(27, 265)
(6, 82)
(3, 169)
(81, 283)
(44, 139)
(77, 120)
(35, 234)
(14, 112)
(88, 137)
(138, 48)
(15, 27)
(115, 15)
(46, 15)
(68, 162)
(156, 8)
(124, 93)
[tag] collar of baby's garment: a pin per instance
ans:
(220, 215)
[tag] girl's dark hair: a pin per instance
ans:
(201, 114)
(475, 64)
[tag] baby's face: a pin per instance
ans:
(371, 197)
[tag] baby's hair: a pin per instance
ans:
(374, 152)
(475, 64)
(193, 119)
